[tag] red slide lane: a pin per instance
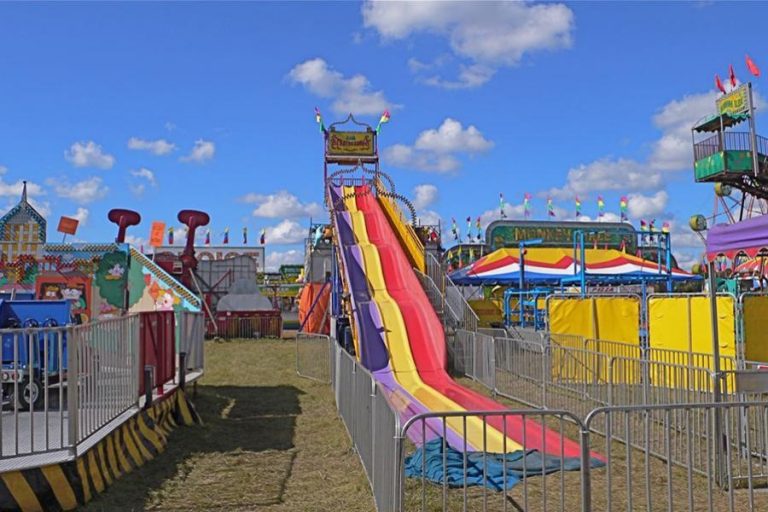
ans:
(426, 338)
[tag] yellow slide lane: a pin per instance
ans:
(401, 359)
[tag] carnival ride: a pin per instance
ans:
(377, 300)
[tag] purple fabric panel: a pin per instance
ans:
(747, 234)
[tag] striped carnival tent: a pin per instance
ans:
(554, 265)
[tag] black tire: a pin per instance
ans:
(29, 391)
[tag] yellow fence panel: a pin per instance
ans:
(682, 325)
(610, 318)
(755, 314)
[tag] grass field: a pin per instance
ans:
(271, 441)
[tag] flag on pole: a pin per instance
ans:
(643, 225)
(479, 229)
(665, 228)
(527, 205)
(578, 206)
(454, 229)
(208, 237)
(732, 75)
(319, 119)
(624, 206)
(550, 207)
(501, 206)
(226, 236)
(170, 235)
(469, 229)
(263, 238)
(600, 206)
(384, 119)
(752, 67)
(245, 236)
(719, 84)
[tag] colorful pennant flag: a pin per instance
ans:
(643, 225)
(578, 206)
(156, 234)
(170, 235)
(527, 205)
(624, 206)
(600, 206)
(501, 206)
(719, 84)
(550, 207)
(263, 238)
(384, 119)
(732, 75)
(469, 229)
(245, 236)
(208, 237)
(226, 236)
(479, 229)
(752, 67)
(454, 229)
(319, 120)
(471, 254)
(665, 228)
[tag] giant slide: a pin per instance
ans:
(400, 339)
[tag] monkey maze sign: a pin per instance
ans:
(736, 102)
(350, 143)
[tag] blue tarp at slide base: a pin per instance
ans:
(427, 462)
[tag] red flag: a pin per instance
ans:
(732, 75)
(719, 84)
(752, 67)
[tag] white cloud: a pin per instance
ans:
(14, 189)
(138, 189)
(642, 207)
(281, 204)
(81, 215)
(203, 151)
(498, 34)
(3, 169)
(158, 147)
(89, 154)
(686, 259)
(607, 174)
(469, 77)
(145, 173)
(400, 155)
(451, 137)
(42, 207)
(435, 149)
(349, 94)
(287, 232)
(428, 218)
(673, 151)
(683, 236)
(137, 241)
(82, 192)
(424, 195)
(275, 258)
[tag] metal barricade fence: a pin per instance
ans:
(669, 457)
(372, 426)
(34, 418)
(464, 352)
(312, 356)
(460, 306)
(191, 338)
(252, 327)
(104, 361)
(484, 360)
(553, 489)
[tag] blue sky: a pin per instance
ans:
(160, 107)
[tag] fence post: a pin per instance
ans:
(148, 386)
(646, 372)
(182, 370)
(73, 377)
(586, 468)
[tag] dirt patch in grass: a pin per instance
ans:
(271, 441)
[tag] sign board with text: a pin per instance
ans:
(351, 143)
